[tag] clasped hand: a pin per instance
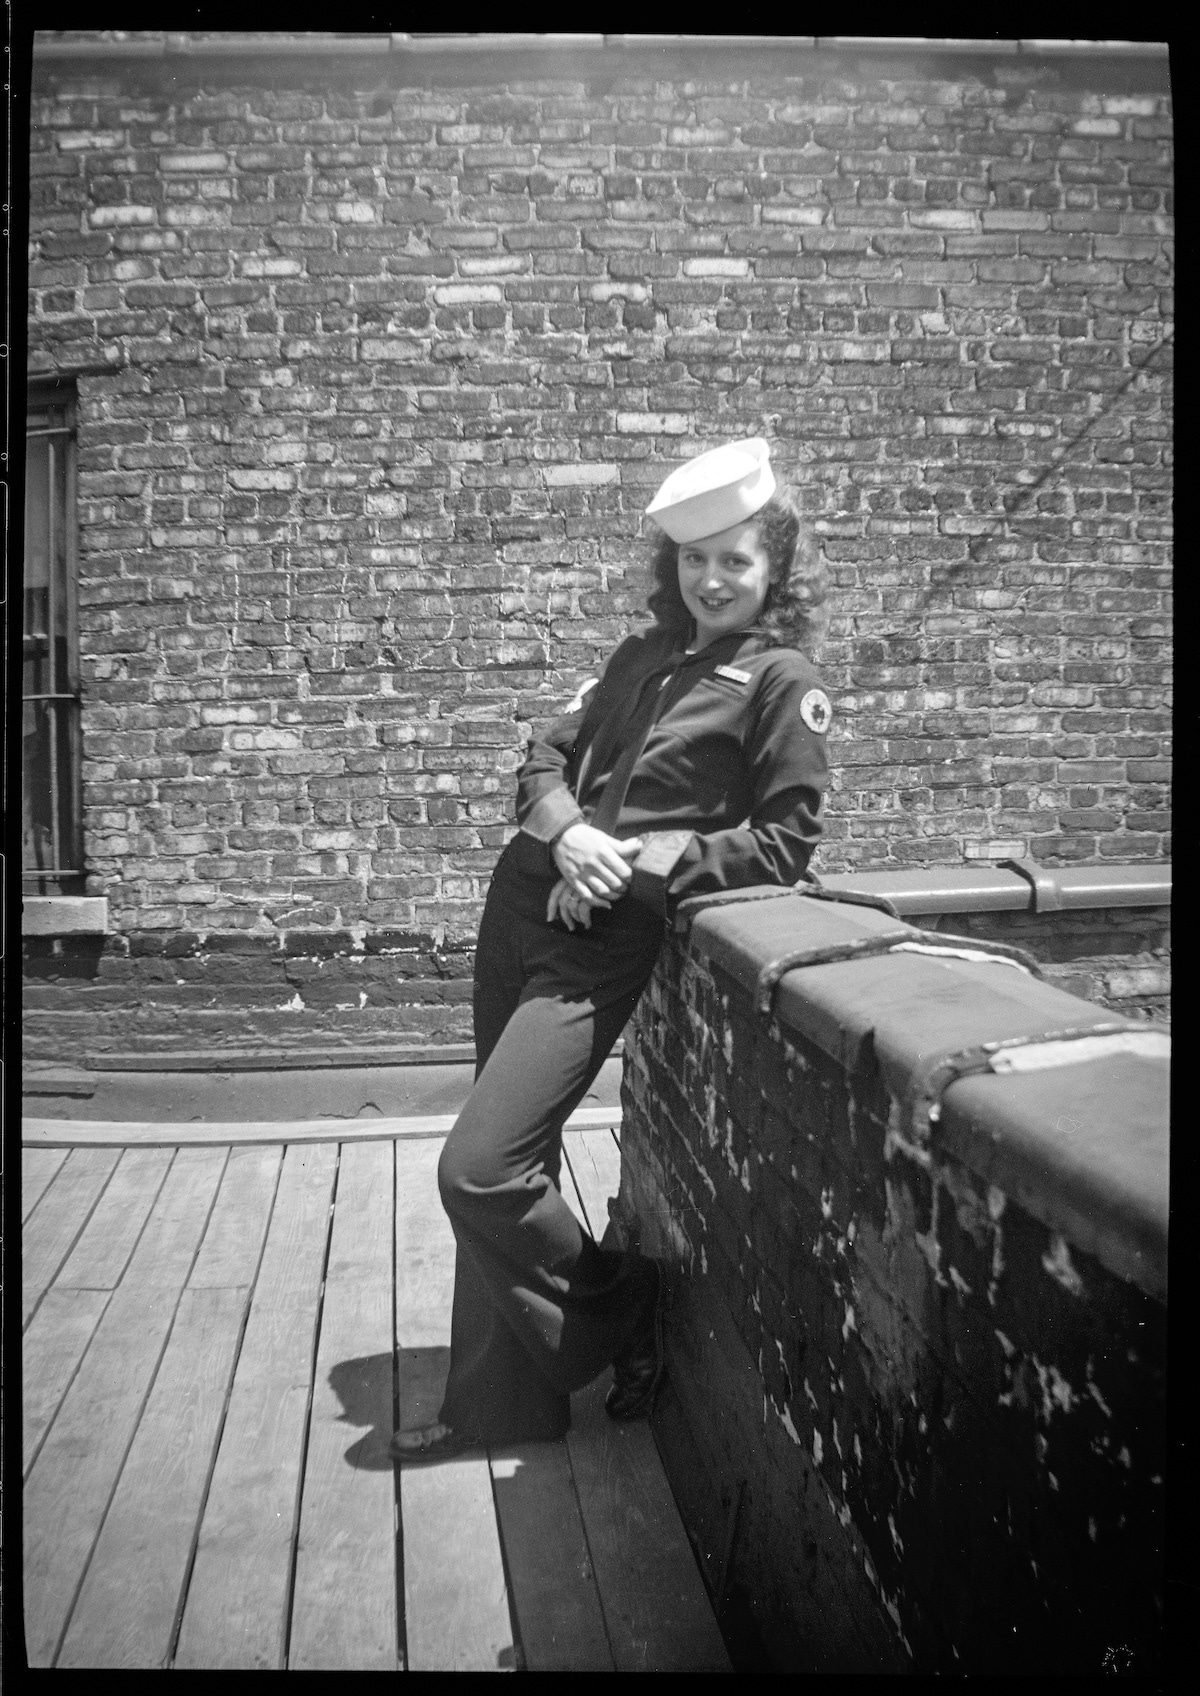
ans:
(595, 872)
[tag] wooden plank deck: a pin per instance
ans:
(220, 1337)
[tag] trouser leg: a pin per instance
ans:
(539, 1309)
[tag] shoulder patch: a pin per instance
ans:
(585, 690)
(816, 711)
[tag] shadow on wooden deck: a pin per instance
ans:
(366, 1389)
(219, 1341)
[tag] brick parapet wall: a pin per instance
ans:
(932, 1422)
(374, 382)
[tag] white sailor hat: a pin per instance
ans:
(717, 489)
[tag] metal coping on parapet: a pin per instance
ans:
(231, 44)
(1013, 885)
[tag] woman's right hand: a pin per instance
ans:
(594, 864)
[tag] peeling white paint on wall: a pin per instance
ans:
(970, 1206)
(927, 1241)
(1056, 1392)
(787, 1377)
(1058, 1263)
(1094, 1392)
(792, 1056)
(997, 1261)
(897, 1142)
(710, 1113)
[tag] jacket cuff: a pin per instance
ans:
(652, 869)
(551, 814)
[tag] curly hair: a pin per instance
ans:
(791, 615)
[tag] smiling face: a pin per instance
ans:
(724, 580)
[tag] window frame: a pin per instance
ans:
(52, 412)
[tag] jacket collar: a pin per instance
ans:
(735, 645)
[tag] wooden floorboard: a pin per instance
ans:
(424, 1252)
(235, 1614)
(195, 1479)
(570, 1193)
(69, 1487)
(58, 1219)
(455, 1598)
(233, 1243)
(110, 1236)
(546, 1550)
(344, 1599)
(595, 1161)
(51, 1350)
(129, 1603)
(126, 1612)
(554, 1592)
(38, 1168)
(656, 1609)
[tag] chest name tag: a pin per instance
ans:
(732, 673)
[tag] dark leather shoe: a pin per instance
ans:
(638, 1373)
(426, 1443)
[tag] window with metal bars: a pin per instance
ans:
(51, 838)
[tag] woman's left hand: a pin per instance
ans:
(570, 907)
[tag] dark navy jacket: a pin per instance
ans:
(728, 789)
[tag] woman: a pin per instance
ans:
(696, 763)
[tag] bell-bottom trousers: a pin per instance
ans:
(539, 1308)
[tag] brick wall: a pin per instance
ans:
(916, 1415)
(375, 380)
